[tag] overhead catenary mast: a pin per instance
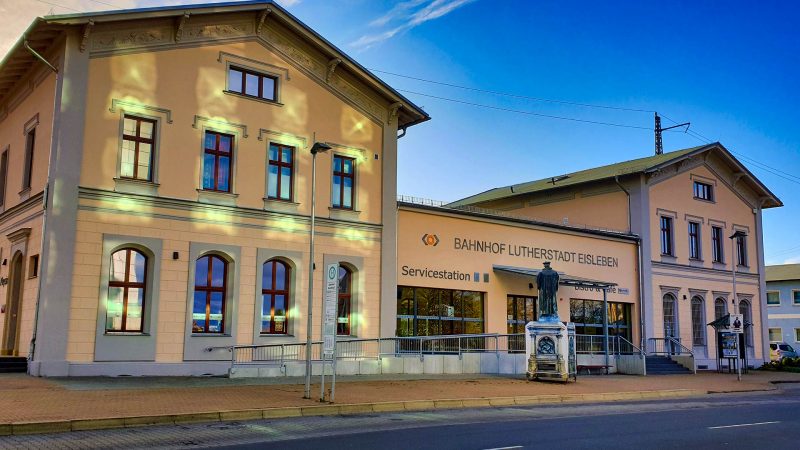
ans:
(658, 130)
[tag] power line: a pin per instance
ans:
(529, 113)
(508, 94)
(57, 5)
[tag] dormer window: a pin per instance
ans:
(252, 84)
(703, 191)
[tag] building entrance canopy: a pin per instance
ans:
(565, 279)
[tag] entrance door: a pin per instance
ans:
(670, 321)
(13, 307)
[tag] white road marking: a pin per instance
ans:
(504, 448)
(744, 425)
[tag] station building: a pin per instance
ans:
(155, 174)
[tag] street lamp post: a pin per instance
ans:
(734, 262)
(318, 147)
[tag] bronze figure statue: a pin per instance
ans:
(547, 281)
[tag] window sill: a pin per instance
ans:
(216, 197)
(704, 200)
(343, 214)
(125, 333)
(134, 186)
(776, 306)
(25, 194)
(211, 335)
(250, 97)
(276, 336)
(287, 206)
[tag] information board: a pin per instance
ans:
(729, 341)
(736, 324)
(330, 301)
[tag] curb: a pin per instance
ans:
(22, 428)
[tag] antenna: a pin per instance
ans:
(658, 130)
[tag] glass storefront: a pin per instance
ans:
(588, 317)
(429, 312)
(519, 311)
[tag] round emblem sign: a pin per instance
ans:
(332, 273)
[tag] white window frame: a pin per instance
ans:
(774, 305)
(795, 303)
(780, 330)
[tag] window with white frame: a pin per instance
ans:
(698, 322)
(773, 298)
(797, 334)
(796, 297)
(775, 334)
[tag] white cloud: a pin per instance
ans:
(794, 260)
(407, 15)
(288, 3)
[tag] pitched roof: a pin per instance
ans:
(44, 30)
(782, 272)
(640, 165)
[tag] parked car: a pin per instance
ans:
(780, 350)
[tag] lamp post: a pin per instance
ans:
(318, 147)
(734, 262)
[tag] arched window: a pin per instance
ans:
(720, 308)
(744, 310)
(126, 291)
(698, 322)
(210, 283)
(275, 295)
(345, 296)
(670, 319)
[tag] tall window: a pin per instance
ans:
(588, 317)
(138, 137)
(210, 282)
(741, 251)
(275, 295)
(716, 244)
(429, 311)
(252, 84)
(744, 310)
(344, 173)
(796, 297)
(519, 310)
(3, 175)
(720, 308)
(703, 191)
(670, 317)
(666, 236)
(280, 172)
(345, 298)
(698, 322)
(126, 291)
(30, 143)
(773, 298)
(217, 162)
(694, 240)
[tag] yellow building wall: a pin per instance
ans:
(413, 253)
(603, 210)
(709, 280)
(190, 82)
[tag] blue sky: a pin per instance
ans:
(731, 68)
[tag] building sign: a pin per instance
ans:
(330, 299)
(533, 252)
(439, 274)
(736, 324)
(728, 344)
(430, 239)
(611, 290)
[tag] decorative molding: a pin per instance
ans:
(218, 31)
(115, 40)
(669, 290)
(737, 227)
(220, 123)
(707, 180)
(181, 23)
(394, 109)
(331, 68)
(227, 58)
(18, 236)
(124, 105)
(693, 218)
(32, 123)
(85, 39)
(718, 223)
(281, 135)
(666, 213)
(262, 17)
(347, 148)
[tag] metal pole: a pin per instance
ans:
(734, 261)
(605, 324)
(311, 275)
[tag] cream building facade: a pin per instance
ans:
(684, 205)
(162, 213)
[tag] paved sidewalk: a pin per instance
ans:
(26, 399)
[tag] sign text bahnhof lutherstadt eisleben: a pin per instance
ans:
(526, 251)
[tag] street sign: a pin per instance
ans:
(736, 324)
(330, 300)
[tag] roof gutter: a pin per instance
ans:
(37, 55)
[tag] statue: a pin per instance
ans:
(547, 280)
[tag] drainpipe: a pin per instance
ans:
(42, 270)
(641, 272)
(605, 325)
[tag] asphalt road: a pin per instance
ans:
(754, 420)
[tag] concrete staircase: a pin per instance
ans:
(13, 364)
(661, 365)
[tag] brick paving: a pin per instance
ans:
(29, 399)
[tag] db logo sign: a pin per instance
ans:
(430, 239)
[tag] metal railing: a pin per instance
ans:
(671, 348)
(364, 349)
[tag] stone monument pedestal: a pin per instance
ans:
(550, 348)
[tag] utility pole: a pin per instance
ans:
(658, 130)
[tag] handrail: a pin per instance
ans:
(670, 347)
